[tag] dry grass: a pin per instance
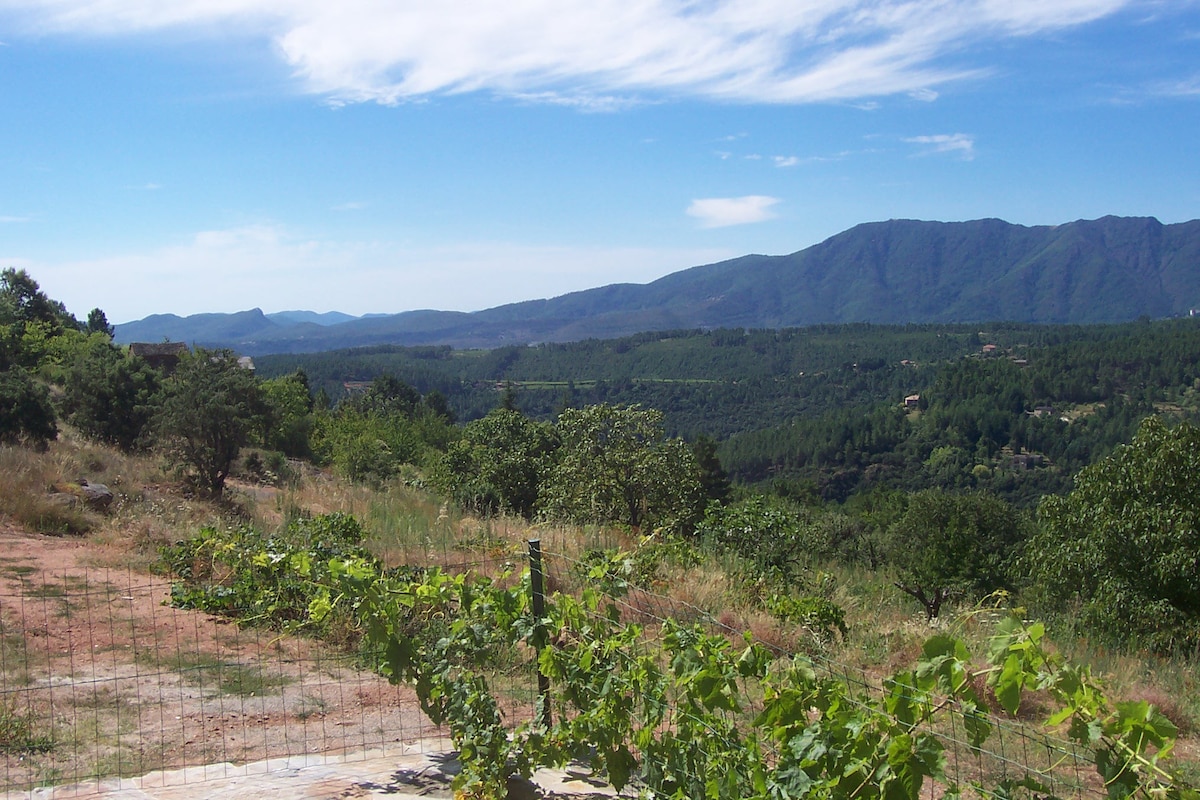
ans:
(30, 495)
(1170, 684)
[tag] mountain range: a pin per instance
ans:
(900, 271)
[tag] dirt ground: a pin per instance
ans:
(99, 676)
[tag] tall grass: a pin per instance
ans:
(34, 496)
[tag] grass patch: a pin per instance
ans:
(19, 731)
(228, 677)
(17, 568)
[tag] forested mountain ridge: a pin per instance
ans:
(1112, 269)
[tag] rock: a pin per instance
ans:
(96, 496)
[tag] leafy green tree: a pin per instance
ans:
(368, 437)
(435, 403)
(211, 408)
(13, 318)
(616, 465)
(1123, 548)
(22, 302)
(499, 464)
(97, 322)
(386, 395)
(110, 395)
(26, 415)
(714, 481)
(767, 531)
(956, 544)
(366, 446)
(289, 422)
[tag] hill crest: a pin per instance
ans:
(1111, 269)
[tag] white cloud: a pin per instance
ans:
(593, 54)
(1187, 87)
(8, 220)
(720, 212)
(587, 103)
(273, 268)
(959, 144)
(786, 161)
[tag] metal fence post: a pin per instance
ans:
(538, 591)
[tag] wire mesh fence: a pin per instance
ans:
(100, 677)
(1019, 749)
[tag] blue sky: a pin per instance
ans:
(369, 156)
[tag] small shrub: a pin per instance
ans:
(267, 580)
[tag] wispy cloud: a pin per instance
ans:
(721, 212)
(588, 53)
(1186, 87)
(8, 220)
(588, 103)
(958, 144)
(786, 161)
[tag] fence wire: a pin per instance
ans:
(100, 677)
(1015, 751)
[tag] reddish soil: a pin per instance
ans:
(122, 684)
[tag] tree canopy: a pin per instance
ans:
(950, 544)
(1124, 546)
(499, 464)
(616, 465)
(211, 408)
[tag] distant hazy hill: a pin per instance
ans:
(1107, 270)
(328, 318)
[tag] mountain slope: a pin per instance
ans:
(1105, 270)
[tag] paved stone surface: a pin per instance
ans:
(424, 769)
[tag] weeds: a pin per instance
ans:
(18, 731)
(232, 678)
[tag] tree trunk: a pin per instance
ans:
(932, 604)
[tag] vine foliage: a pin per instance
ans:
(676, 709)
(682, 712)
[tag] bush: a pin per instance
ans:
(1124, 546)
(26, 416)
(269, 580)
(211, 408)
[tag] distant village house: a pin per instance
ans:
(162, 356)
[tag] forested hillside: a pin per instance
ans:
(1113, 269)
(820, 411)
